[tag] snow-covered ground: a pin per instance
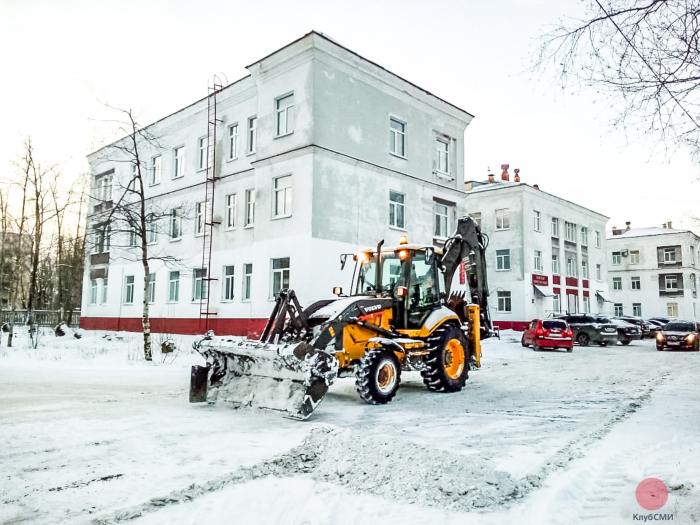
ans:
(92, 433)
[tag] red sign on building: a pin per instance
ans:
(556, 279)
(571, 281)
(540, 280)
(585, 283)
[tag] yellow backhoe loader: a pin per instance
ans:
(400, 315)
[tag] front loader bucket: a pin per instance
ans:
(289, 377)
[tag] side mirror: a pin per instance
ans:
(401, 292)
(338, 290)
(343, 259)
(429, 255)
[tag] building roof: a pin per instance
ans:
(312, 32)
(644, 232)
(484, 186)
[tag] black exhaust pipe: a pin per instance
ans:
(378, 274)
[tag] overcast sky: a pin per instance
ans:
(62, 60)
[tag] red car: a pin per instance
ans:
(548, 333)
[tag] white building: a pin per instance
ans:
(653, 271)
(320, 151)
(546, 254)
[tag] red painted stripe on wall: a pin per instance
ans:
(248, 327)
(511, 325)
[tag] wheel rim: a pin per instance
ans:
(454, 358)
(386, 376)
(583, 339)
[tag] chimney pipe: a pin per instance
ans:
(491, 177)
(536, 186)
(616, 230)
(504, 174)
(517, 175)
(627, 225)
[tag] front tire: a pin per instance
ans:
(659, 348)
(447, 364)
(522, 341)
(626, 342)
(378, 376)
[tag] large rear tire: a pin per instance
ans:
(447, 364)
(378, 376)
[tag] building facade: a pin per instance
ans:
(654, 272)
(319, 151)
(546, 255)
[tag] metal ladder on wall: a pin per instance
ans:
(205, 311)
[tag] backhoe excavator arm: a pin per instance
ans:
(468, 245)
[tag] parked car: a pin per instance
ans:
(662, 320)
(681, 335)
(643, 325)
(626, 332)
(587, 330)
(548, 333)
(655, 327)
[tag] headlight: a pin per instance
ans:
(690, 338)
(660, 336)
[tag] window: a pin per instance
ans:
(476, 217)
(103, 188)
(101, 235)
(555, 264)
(202, 153)
(502, 219)
(636, 283)
(598, 272)
(556, 302)
(282, 202)
(129, 289)
(597, 239)
(152, 230)
(93, 291)
(396, 209)
(504, 304)
(571, 266)
(156, 163)
(634, 256)
(587, 304)
(442, 220)
(199, 218)
(230, 211)
(570, 231)
(503, 259)
(442, 155)
(175, 224)
(151, 290)
(174, 287)
(669, 255)
(672, 309)
(617, 283)
(397, 137)
(252, 134)
(637, 309)
(179, 164)
(671, 282)
(103, 299)
(199, 284)
(555, 227)
(617, 258)
(618, 309)
(538, 260)
(584, 236)
(233, 141)
(249, 207)
(584, 269)
(537, 220)
(692, 255)
(228, 283)
(285, 114)
(132, 236)
(280, 275)
(247, 281)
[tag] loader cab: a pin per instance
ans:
(408, 274)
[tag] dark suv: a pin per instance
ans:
(626, 331)
(587, 330)
(641, 323)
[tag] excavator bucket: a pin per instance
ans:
(291, 378)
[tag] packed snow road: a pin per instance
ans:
(91, 433)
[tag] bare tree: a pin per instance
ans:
(644, 53)
(129, 216)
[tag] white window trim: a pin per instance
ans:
(204, 218)
(403, 205)
(152, 180)
(133, 287)
(245, 299)
(616, 280)
(272, 275)
(498, 302)
(274, 197)
(248, 141)
(170, 281)
(507, 214)
(229, 158)
(443, 139)
(405, 137)
(503, 256)
(170, 226)
(175, 164)
(235, 211)
(277, 111)
(223, 283)
(201, 158)
(247, 202)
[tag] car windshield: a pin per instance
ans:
(675, 326)
(554, 325)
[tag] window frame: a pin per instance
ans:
(249, 217)
(178, 162)
(635, 257)
(635, 280)
(671, 278)
(176, 287)
(672, 309)
(174, 223)
(251, 135)
(288, 194)
(503, 257)
(232, 139)
(507, 297)
(616, 258)
(556, 264)
(394, 208)
(156, 170)
(129, 289)
(537, 261)
(247, 283)
(202, 153)
(504, 215)
(617, 283)
(537, 220)
(229, 283)
(637, 309)
(231, 205)
(151, 288)
(619, 309)
(555, 227)
(199, 218)
(203, 287)
(288, 112)
(440, 220)
(570, 232)
(395, 134)
(281, 271)
(439, 154)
